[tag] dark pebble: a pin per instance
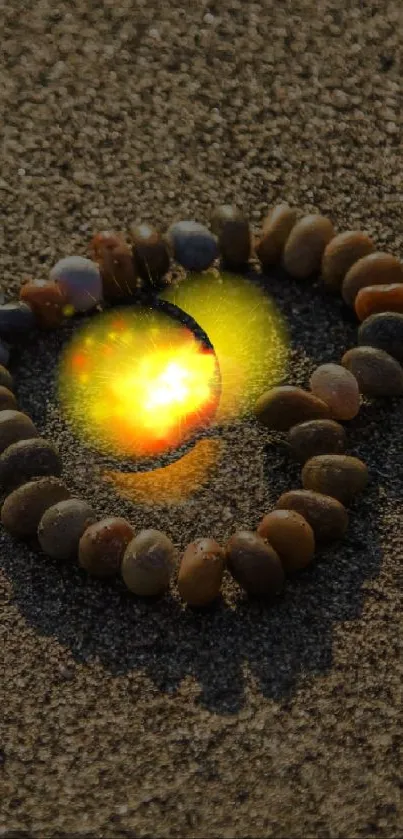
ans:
(61, 527)
(254, 564)
(24, 508)
(14, 426)
(27, 459)
(16, 318)
(322, 436)
(377, 373)
(383, 331)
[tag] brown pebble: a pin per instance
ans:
(234, 235)
(378, 374)
(24, 507)
(254, 564)
(102, 545)
(6, 379)
(379, 298)
(201, 572)
(27, 459)
(291, 537)
(104, 240)
(341, 253)
(305, 246)
(14, 426)
(375, 269)
(276, 229)
(61, 527)
(150, 252)
(327, 517)
(338, 388)
(118, 272)
(282, 407)
(322, 436)
(7, 400)
(148, 563)
(47, 301)
(338, 475)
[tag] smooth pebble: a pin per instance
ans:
(201, 571)
(378, 374)
(27, 459)
(291, 537)
(282, 407)
(232, 228)
(6, 379)
(193, 245)
(276, 229)
(376, 268)
(150, 253)
(379, 298)
(305, 245)
(80, 280)
(383, 331)
(14, 426)
(47, 301)
(102, 545)
(119, 274)
(338, 475)
(338, 388)
(24, 507)
(322, 436)
(61, 527)
(254, 564)
(16, 318)
(148, 563)
(327, 516)
(341, 253)
(7, 399)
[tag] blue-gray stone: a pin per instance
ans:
(193, 245)
(383, 331)
(80, 279)
(16, 318)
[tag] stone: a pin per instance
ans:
(379, 298)
(322, 436)
(14, 426)
(6, 379)
(150, 253)
(234, 236)
(27, 459)
(276, 229)
(254, 564)
(291, 537)
(338, 388)
(102, 241)
(61, 527)
(193, 245)
(327, 516)
(24, 507)
(148, 563)
(102, 545)
(80, 280)
(201, 571)
(383, 331)
(119, 275)
(7, 400)
(338, 475)
(282, 407)
(47, 301)
(305, 246)
(340, 254)
(376, 268)
(16, 318)
(377, 373)
(4, 354)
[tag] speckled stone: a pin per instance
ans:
(80, 280)
(7, 400)
(6, 379)
(327, 516)
(150, 253)
(379, 298)
(305, 246)
(27, 459)
(291, 537)
(339, 475)
(61, 527)
(341, 253)
(14, 426)
(148, 563)
(376, 268)
(383, 331)
(16, 318)
(119, 276)
(102, 545)
(234, 236)
(4, 354)
(201, 572)
(254, 564)
(338, 388)
(282, 407)
(378, 374)
(47, 301)
(322, 436)
(276, 229)
(24, 507)
(193, 245)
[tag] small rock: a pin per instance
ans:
(193, 245)
(254, 564)
(341, 253)
(14, 426)
(305, 246)
(80, 280)
(148, 563)
(16, 318)
(374, 269)
(338, 475)
(4, 354)
(150, 253)
(24, 507)
(291, 537)
(327, 517)
(6, 379)
(47, 301)
(201, 572)
(383, 331)
(377, 373)
(104, 240)
(379, 298)
(282, 407)
(276, 229)
(7, 400)
(118, 271)
(102, 546)
(322, 436)
(234, 236)
(338, 388)
(27, 459)
(61, 527)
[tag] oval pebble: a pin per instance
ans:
(377, 373)
(234, 235)
(14, 426)
(379, 298)
(148, 563)
(16, 318)
(193, 245)
(102, 241)
(254, 564)
(119, 274)
(374, 269)
(338, 475)
(305, 245)
(291, 537)
(322, 436)
(80, 280)
(150, 253)
(327, 516)
(6, 379)
(47, 301)
(276, 229)
(338, 388)
(282, 407)
(7, 399)
(24, 507)
(61, 527)
(383, 331)
(102, 545)
(341, 253)
(27, 459)
(201, 571)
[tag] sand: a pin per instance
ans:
(128, 719)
